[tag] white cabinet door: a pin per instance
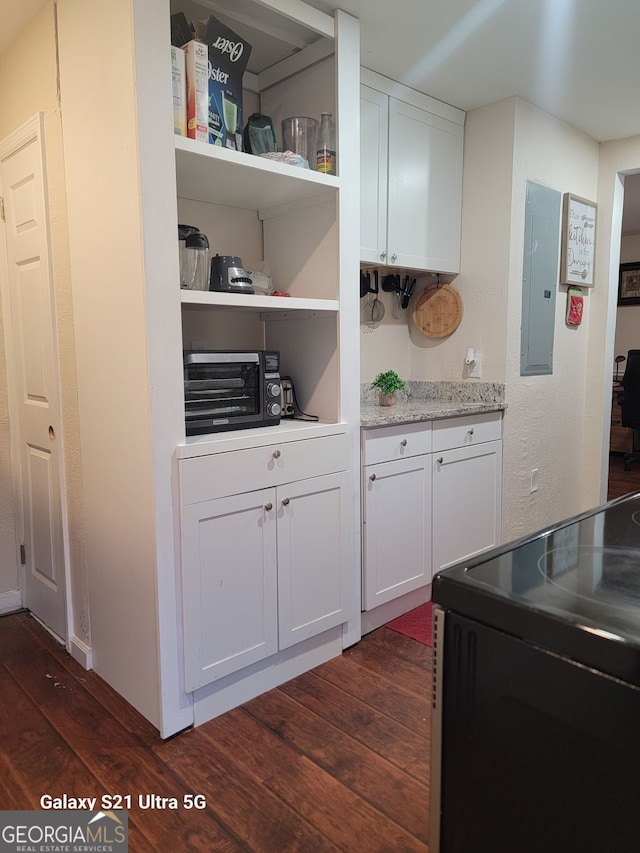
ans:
(467, 502)
(397, 526)
(229, 585)
(313, 570)
(425, 189)
(374, 124)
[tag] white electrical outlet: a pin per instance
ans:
(534, 480)
(476, 367)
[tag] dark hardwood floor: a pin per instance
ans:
(337, 759)
(622, 482)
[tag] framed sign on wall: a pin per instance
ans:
(578, 240)
(629, 284)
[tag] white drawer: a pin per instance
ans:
(466, 431)
(385, 444)
(206, 477)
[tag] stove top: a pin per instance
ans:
(578, 581)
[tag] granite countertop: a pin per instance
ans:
(427, 401)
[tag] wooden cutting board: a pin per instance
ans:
(437, 311)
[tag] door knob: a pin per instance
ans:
(268, 506)
(372, 477)
(403, 443)
(52, 433)
(440, 460)
(285, 501)
(276, 454)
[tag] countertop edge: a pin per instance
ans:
(372, 415)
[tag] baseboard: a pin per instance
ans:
(379, 616)
(10, 601)
(81, 652)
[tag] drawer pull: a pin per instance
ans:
(268, 506)
(276, 454)
(440, 460)
(285, 501)
(403, 443)
(372, 477)
(471, 431)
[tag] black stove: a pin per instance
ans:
(536, 684)
(573, 589)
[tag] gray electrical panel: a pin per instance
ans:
(539, 279)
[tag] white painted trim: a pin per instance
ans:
(295, 63)
(81, 652)
(303, 14)
(411, 96)
(10, 601)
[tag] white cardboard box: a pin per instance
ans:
(179, 91)
(197, 73)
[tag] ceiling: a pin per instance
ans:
(577, 60)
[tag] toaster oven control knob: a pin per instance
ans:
(273, 389)
(273, 409)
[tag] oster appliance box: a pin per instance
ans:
(228, 57)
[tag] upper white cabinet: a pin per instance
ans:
(411, 150)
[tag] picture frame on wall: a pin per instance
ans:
(577, 261)
(629, 284)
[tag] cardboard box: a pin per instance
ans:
(228, 55)
(197, 74)
(179, 83)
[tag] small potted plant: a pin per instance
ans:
(387, 384)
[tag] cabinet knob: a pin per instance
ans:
(383, 255)
(268, 506)
(285, 501)
(394, 258)
(439, 460)
(471, 431)
(276, 454)
(372, 477)
(403, 443)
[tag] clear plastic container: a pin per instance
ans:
(300, 135)
(197, 262)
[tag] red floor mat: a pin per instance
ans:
(415, 624)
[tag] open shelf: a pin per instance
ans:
(272, 305)
(221, 176)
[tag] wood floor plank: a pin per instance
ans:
(279, 783)
(402, 646)
(262, 821)
(310, 791)
(401, 673)
(115, 757)
(357, 678)
(375, 731)
(392, 791)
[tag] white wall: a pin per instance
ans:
(544, 423)
(628, 316)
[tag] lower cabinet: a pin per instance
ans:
(467, 516)
(396, 544)
(262, 570)
(426, 511)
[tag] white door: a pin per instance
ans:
(313, 575)
(229, 584)
(32, 365)
(425, 189)
(374, 129)
(467, 502)
(397, 522)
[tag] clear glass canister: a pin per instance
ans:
(197, 262)
(326, 149)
